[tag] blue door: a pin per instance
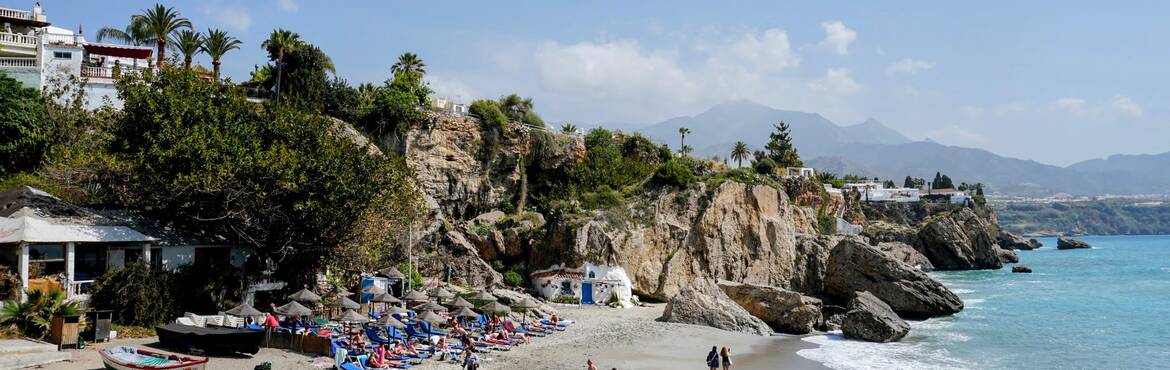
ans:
(586, 293)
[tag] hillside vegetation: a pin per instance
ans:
(1098, 217)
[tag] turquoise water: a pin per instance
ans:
(1107, 307)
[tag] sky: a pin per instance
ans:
(1052, 81)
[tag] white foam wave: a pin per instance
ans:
(844, 354)
(962, 291)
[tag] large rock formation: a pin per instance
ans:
(872, 320)
(784, 310)
(905, 253)
(670, 237)
(855, 266)
(1011, 241)
(1070, 243)
(1008, 256)
(703, 303)
(961, 240)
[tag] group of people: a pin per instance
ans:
(719, 357)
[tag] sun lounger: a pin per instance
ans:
(184, 321)
(392, 332)
(213, 320)
(196, 320)
(415, 334)
(426, 326)
(374, 336)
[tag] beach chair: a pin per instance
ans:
(392, 332)
(415, 334)
(196, 320)
(427, 328)
(374, 336)
(184, 321)
(213, 320)
(510, 326)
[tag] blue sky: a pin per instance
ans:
(1056, 82)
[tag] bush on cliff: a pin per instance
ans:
(764, 166)
(489, 113)
(674, 173)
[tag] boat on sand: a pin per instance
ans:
(130, 358)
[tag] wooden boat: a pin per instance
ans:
(210, 339)
(130, 358)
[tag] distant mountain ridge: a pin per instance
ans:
(873, 149)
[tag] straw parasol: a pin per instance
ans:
(415, 296)
(374, 289)
(352, 316)
(345, 302)
(440, 293)
(483, 295)
(342, 292)
(526, 304)
(465, 312)
(393, 310)
(496, 307)
(389, 321)
(430, 306)
(305, 295)
(391, 272)
(461, 303)
(428, 316)
(294, 309)
(244, 310)
(385, 298)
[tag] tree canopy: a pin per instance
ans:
(780, 148)
(23, 135)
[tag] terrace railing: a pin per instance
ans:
(60, 39)
(108, 72)
(14, 62)
(16, 39)
(14, 13)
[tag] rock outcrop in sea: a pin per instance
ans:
(784, 310)
(1011, 241)
(869, 318)
(1070, 243)
(703, 303)
(855, 266)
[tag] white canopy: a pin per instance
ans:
(26, 226)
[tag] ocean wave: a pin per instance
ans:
(844, 354)
(962, 291)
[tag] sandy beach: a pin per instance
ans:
(613, 338)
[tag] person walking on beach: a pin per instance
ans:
(713, 358)
(589, 362)
(726, 355)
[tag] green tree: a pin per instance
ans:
(189, 43)
(941, 181)
(739, 152)
(780, 148)
(279, 43)
(569, 128)
(908, 182)
(675, 173)
(686, 150)
(161, 21)
(216, 45)
(489, 113)
(135, 33)
(682, 138)
(409, 63)
(519, 109)
(24, 135)
(395, 104)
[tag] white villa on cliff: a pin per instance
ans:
(36, 53)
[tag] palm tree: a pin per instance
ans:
(161, 21)
(569, 128)
(409, 63)
(281, 42)
(682, 141)
(189, 43)
(134, 34)
(739, 153)
(216, 45)
(685, 150)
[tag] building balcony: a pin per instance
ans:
(16, 62)
(17, 43)
(108, 72)
(19, 17)
(16, 14)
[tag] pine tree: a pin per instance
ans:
(908, 183)
(780, 148)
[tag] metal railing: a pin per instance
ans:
(14, 13)
(18, 39)
(80, 288)
(15, 62)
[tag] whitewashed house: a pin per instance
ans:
(875, 192)
(590, 284)
(36, 53)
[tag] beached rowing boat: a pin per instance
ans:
(130, 358)
(212, 339)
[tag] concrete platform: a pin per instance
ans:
(24, 353)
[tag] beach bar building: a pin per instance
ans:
(54, 245)
(589, 284)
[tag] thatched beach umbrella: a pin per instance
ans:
(345, 302)
(495, 307)
(294, 309)
(393, 310)
(441, 294)
(428, 316)
(465, 312)
(391, 272)
(430, 306)
(374, 289)
(244, 310)
(526, 305)
(461, 303)
(305, 295)
(415, 296)
(484, 296)
(352, 316)
(390, 322)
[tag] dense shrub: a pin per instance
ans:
(674, 173)
(765, 166)
(489, 113)
(514, 278)
(826, 224)
(604, 197)
(139, 295)
(23, 133)
(33, 316)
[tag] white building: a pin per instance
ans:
(449, 106)
(591, 284)
(801, 172)
(55, 245)
(949, 195)
(875, 192)
(37, 54)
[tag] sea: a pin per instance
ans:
(1101, 308)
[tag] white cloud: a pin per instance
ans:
(972, 111)
(909, 66)
(612, 69)
(1071, 105)
(231, 16)
(956, 135)
(288, 5)
(452, 89)
(836, 81)
(1125, 107)
(837, 37)
(769, 51)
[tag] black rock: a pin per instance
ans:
(1070, 243)
(1021, 269)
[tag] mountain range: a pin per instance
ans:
(871, 148)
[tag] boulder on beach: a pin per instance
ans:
(961, 240)
(784, 310)
(1011, 241)
(1021, 269)
(1008, 256)
(703, 303)
(1070, 243)
(871, 319)
(855, 266)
